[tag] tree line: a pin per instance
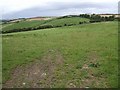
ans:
(92, 17)
(97, 18)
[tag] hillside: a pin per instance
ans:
(22, 24)
(36, 23)
(67, 21)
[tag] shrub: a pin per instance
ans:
(93, 21)
(65, 24)
(57, 26)
(80, 22)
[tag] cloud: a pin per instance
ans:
(30, 8)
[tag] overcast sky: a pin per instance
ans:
(31, 8)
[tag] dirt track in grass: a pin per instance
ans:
(36, 74)
(42, 73)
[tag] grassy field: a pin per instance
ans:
(74, 56)
(67, 21)
(22, 24)
(35, 23)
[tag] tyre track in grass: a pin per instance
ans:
(38, 74)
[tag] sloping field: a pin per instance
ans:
(67, 21)
(22, 24)
(82, 56)
(35, 23)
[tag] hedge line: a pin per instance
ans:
(45, 27)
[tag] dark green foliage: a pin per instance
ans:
(94, 21)
(80, 22)
(28, 29)
(97, 18)
(65, 24)
(84, 15)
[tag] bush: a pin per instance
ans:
(57, 26)
(65, 24)
(93, 21)
(80, 22)
(28, 29)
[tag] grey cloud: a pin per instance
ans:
(58, 8)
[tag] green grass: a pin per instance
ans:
(79, 45)
(35, 23)
(72, 20)
(22, 24)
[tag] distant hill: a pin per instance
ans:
(35, 22)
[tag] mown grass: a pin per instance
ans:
(80, 45)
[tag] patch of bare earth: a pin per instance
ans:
(91, 79)
(31, 19)
(38, 74)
